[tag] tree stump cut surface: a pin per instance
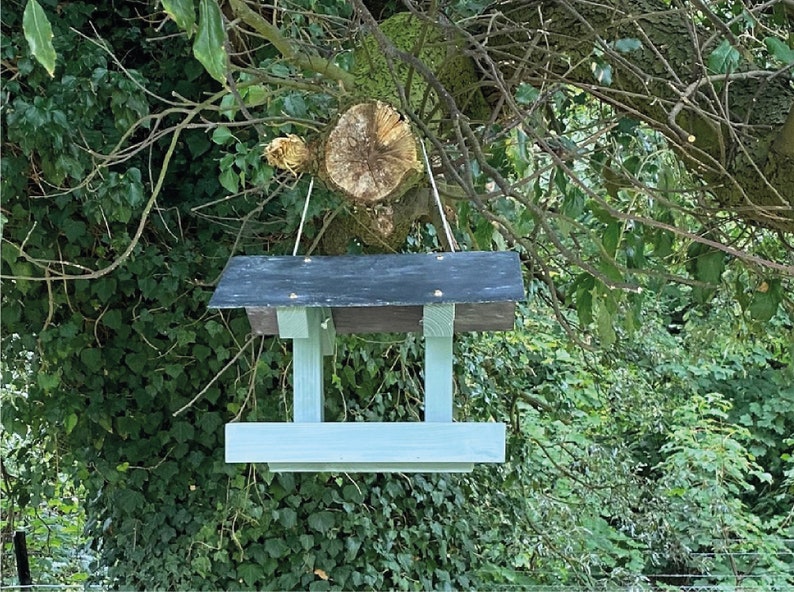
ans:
(371, 154)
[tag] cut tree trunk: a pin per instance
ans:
(370, 157)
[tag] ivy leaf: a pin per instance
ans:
(182, 13)
(209, 46)
(70, 422)
(38, 33)
(321, 521)
(779, 49)
(249, 573)
(724, 59)
(526, 94)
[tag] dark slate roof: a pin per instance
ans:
(370, 280)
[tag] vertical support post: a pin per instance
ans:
(21, 553)
(438, 326)
(302, 325)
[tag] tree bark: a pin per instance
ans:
(730, 129)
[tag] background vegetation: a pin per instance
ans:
(647, 388)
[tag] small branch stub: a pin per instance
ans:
(371, 154)
(290, 153)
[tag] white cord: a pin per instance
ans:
(447, 228)
(303, 217)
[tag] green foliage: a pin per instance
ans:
(644, 457)
(209, 45)
(38, 33)
(724, 59)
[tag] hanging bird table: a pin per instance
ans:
(310, 299)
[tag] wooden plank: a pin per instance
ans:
(374, 443)
(485, 316)
(438, 324)
(293, 323)
(371, 467)
(438, 320)
(327, 332)
(307, 368)
(370, 280)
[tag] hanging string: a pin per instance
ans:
(447, 228)
(303, 217)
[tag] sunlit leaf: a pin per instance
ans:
(183, 13)
(70, 422)
(38, 33)
(209, 45)
(602, 72)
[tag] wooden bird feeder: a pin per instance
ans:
(310, 299)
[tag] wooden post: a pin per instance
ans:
(302, 325)
(438, 325)
(21, 553)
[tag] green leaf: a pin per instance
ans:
(604, 324)
(209, 46)
(38, 34)
(249, 573)
(602, 72)
(70, 422)
(709, 266)
(611, 238)
(321, 521)
(276, 548)
(627, 44)
(779, 49)
(724, 58)
(222, 135)
(766, 300)
(526, 94)
(183, 13)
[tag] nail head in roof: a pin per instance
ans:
(438, 293)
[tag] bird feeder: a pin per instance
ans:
(310, 299)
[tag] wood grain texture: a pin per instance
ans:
(438, 320)
(437, 324)
(375, 443)
(307, 371)
(293, 323)
(486, 316)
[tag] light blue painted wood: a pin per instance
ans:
(438, 327)
(293, 323)
(307, 366)
(438, 320)
(327, 332)
(370, 467)
(365, 444)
